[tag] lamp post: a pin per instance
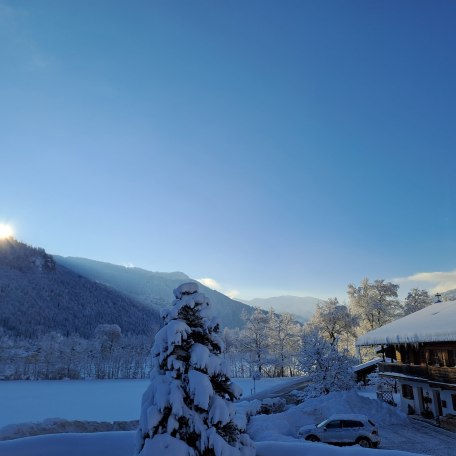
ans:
(256, 376)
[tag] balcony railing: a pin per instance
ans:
(433, 373)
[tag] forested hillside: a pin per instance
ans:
(34, 303)
(55, 323)
(38, 296)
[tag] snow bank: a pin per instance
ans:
(320, 449)
(122, 444)
(164, 444)
(284, 426)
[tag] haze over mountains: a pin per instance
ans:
(154, 289)
(301, 307)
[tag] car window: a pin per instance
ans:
(333, 424)
(351, 424)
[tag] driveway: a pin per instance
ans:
(280, 390)
(418, 437)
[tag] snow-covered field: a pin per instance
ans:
(94, 400)
(275, 435)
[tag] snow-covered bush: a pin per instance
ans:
(188, 408)
(244, 411)
(381, 383)
(275, 405)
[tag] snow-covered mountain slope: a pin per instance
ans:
(38, 296)
(154, 289)
(301, 307)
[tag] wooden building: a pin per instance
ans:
(422, 357)
(363, 370)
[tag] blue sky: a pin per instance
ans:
(275, 147)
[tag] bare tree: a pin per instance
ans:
(334, 320)
(254, 338)
(374, 303)
(284, 337)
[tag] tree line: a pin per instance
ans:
(107, 355)
(273, 344)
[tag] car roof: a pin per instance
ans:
(348, 416)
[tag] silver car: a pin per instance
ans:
(345, 429)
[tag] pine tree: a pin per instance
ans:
(188, 408)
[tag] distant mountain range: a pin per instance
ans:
(154, 289)
(38, 295)
(301, 307)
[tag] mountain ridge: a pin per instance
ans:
(154, 289)
(301, 307)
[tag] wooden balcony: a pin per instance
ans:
(432, 373)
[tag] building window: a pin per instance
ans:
(407, 392)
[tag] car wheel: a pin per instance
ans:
(364, 442)
(312, 438)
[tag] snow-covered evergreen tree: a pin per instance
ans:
(188, 408)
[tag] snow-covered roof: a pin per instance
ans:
(372, 362)
(435, 323)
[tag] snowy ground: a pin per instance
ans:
(273, 434)
(95, 400)
(99, 400)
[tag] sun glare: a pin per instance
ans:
(6, 231)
